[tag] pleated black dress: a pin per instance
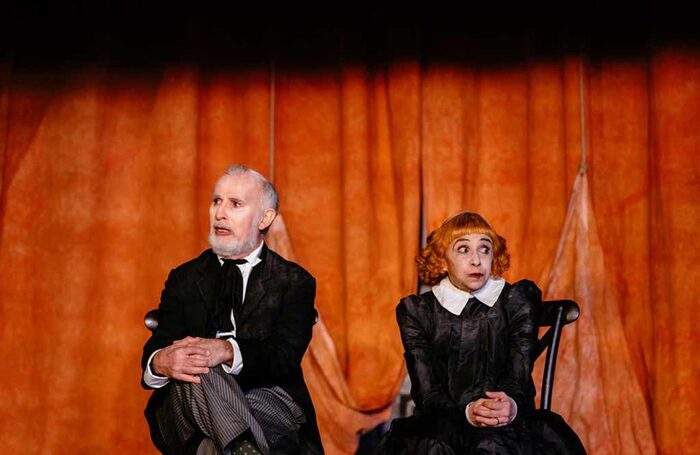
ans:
(453, 359)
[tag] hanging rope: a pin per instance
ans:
(271, 138)
(583, 167)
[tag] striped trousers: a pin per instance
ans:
(205, 418)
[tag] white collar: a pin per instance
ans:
(454, 299)
(252, 259)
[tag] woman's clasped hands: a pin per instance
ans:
(496, 410)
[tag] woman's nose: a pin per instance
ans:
(475, 259)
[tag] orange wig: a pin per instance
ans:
(431, 260)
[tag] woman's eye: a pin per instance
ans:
(462, 249)
(484, 250)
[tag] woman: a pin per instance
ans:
(469, 345)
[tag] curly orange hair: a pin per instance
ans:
(431, 260)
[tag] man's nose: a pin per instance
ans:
(219, 212)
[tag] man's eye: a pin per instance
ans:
(216, 201)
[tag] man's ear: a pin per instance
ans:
(269, 216)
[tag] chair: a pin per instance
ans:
(555, 315)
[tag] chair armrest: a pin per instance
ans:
(151, 320)
(549, 312)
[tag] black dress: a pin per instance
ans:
(452, 360)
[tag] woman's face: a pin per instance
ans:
(469, 261)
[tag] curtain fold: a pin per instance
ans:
(596, 390)
(340, 419)
(350, 170)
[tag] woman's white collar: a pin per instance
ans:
(454, 299)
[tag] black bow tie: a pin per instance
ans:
(230, 296)
(234, 261)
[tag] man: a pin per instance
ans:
(234, 324)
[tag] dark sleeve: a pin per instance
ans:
(170, 319)
(427, 386)
(276, 357)
(522, 307)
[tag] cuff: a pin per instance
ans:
(151, 379)
(237, 365)
(466, 413)
(513, 405)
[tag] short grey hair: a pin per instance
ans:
(270, 198)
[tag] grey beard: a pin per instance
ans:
(239, 248)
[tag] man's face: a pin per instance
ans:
(469, 260)
(236, 216)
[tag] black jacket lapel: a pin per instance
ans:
(209, 270)
(256, 289)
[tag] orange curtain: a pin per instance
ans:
(106, 177)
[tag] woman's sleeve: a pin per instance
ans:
(427, 388)
(523, 306)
